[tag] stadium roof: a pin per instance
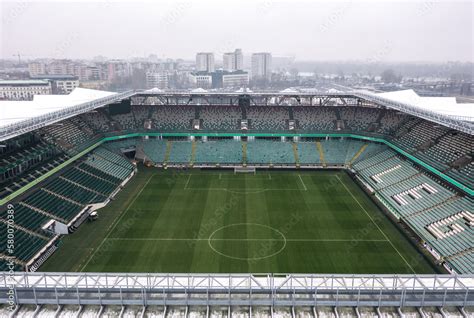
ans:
(16, 111)
(24, 82)
(442, 105)
(18, 117)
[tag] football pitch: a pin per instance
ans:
(220, 222)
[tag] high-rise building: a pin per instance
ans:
(205, 62)
(228, 61)
(36, 68)
(157, 80)
(239, 60)
(262, 65)
(233, 61)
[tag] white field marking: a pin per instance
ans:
(282, 239)
(117, 221)
(237, 239)
(187, 181)
(306, 189)
(370, 217)
(269, 177)
(240, 190)
(246, 178)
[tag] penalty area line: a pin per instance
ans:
(111, 228)
(370, 217)
(187, 182)
(304, 186)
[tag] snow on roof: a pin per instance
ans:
(15, 111)
(199, 90)
(154, 90)
(289, 91)
(441, 105)
(243, 90)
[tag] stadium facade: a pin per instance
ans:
(414, 155)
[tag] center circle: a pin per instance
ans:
(267, 241)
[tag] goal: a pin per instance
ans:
(244, 170)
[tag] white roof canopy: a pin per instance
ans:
(12, 112)
(441, 105)
(19, 117)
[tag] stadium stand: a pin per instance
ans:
(439, 214)
(359, 118)
(391, 121)
(63, 198)
(267, 118)
(155, 150)
(97, 120)
(270, 152)
(224, 151)
(141, 113)
(180, 152)
(126, 122)
(320, 119)
(66, 135)
(220, 117)
(122, 144)
(421, 136)
(26, 244)
(172, 118)
(308, 153)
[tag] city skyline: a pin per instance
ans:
(434, 31)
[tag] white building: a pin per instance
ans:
(157, 79)
(235, 79)
(262, 66)
(24, 89)
(36, 68)
(205, 62)
(60, 84)
(201, 79)
(233, 61)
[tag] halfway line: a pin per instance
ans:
(239, 239)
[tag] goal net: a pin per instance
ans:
(244, 170)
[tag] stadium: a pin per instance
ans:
(199, 203)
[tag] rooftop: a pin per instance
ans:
(23, 82)
(55, 77)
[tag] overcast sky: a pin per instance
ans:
(309, 30)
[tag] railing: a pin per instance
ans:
(461, 123)
(31, 124)
(238, 289)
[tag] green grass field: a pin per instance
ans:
(280, 222)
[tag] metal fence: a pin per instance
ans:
(238, 289)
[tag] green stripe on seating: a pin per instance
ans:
(156, 134)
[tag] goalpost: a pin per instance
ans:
(245, 170)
